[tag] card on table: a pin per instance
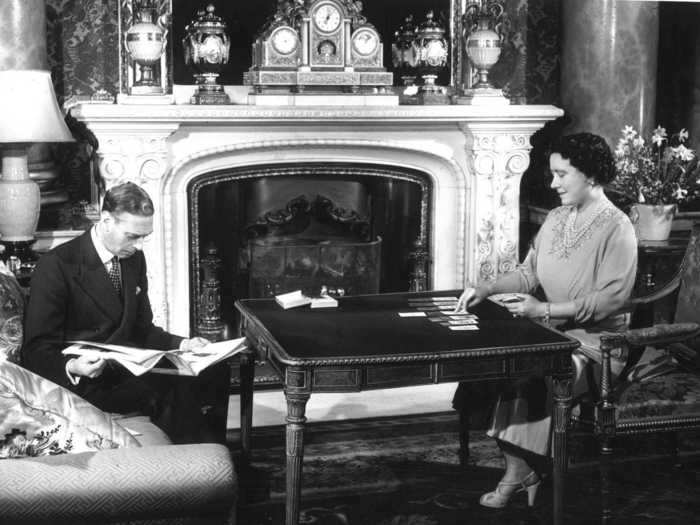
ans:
(411, 314)
(461, 321)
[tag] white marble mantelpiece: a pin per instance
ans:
(474, 157)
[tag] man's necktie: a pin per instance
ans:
(115, 275)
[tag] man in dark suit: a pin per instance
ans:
(94, 288)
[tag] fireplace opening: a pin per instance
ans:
(259, 231)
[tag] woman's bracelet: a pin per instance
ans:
(547, 313)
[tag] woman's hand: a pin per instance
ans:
(471, 296)
(525, 306)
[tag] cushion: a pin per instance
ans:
(669, 395)
(11, 314)
(39, 417)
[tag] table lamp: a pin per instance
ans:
(29, 113)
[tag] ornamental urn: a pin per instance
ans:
(430, 47)
(206, 48)
(482, 39)
(145, 43)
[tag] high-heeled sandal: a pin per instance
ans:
(499, 498)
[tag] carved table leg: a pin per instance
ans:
(296, 407)
(247, 371)
(562, 404)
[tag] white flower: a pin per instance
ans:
(641, 198)
(628, 132)
(680, 193)
(683, 153)
(683, 135)
(633, 167)
(659, 136)
(638, 142)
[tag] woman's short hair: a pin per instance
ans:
(588, 153)
(128, 198)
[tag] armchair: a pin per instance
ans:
(665, 403)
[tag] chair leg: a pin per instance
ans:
(606, 452)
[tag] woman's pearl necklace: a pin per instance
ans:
(573, 235)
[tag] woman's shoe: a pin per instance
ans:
(499, 498)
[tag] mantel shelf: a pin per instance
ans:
(192, 114)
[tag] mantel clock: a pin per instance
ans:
(318, 46)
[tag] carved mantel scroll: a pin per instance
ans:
(498, 158)
(473, 157)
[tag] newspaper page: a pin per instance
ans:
(141, 360)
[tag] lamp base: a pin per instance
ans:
(20, 249)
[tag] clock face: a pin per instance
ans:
(327, 18)
(284, 40)
(365, 42)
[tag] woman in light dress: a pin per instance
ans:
(584, 258)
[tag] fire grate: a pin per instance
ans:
(342, 267)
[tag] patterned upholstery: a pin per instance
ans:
(667, 396)
(688, 303)
(170, 483)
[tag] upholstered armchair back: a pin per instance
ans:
(688, 304)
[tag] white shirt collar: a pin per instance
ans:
(102, 252)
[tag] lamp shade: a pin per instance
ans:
(29, 111)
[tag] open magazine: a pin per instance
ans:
(141, 360)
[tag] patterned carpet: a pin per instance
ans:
(406, 472)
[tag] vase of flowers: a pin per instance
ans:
(655, 176)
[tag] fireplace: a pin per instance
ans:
(457, 170)
(348, 228)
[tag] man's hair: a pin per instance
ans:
(128, 198)
(588, 153)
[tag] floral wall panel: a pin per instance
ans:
(542, 62)
(82, 46)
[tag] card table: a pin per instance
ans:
(364, 344)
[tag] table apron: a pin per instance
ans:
(355, 378)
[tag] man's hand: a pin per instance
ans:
(193, 344)
(86, 366)
(472, 296)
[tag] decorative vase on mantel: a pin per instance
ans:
(652, 222)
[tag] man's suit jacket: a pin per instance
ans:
(72, 298)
